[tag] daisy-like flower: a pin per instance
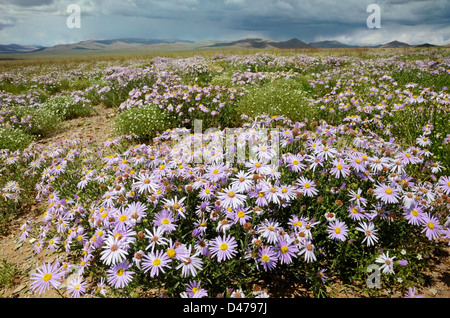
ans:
(414, 214)
(119, 276)
(269, 230)
(306, 187)
(286, 250)
(369, 231)
(412, 293)
(444, 184)
(321, 275)
(241, 215)
(356, 213)
(46, 276)
(231, 198)
(337, 230)
(308, 249)
(356, 197)
(114, 251)
(223, 247)
(165, 220)
(267, 258)
(255, 166)
(242, 181)
(431, 226)
(176, 205)
(145, 183)
(77, 287)
(191, 264)
(340, 168)
(387, 193)
(388, 263)
(330, 216)
(194, 290)
(155, 238)
(155, 262)
(294, 163)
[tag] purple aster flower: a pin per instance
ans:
(191, 264)
(337, 230)
(223, 247)
(388, 263)
(268, 258)
(286, 251)
(387, 194)
(269, 230)
(414, 214)
(77, 287)
(403, 262)
(194, 290)
(45, 276)
(431, 226)
(119, 276)
(165, 220)
(114, 251)
(444, 184)
(231, 198)
(308, 249)
(155, 262)
(340, 169)
(412, 293)
(321, 275)
(306, 187)
(369, 231)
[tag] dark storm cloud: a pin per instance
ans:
(307, 20)
(27, 3)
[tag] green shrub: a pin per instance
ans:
(44, 120)
(68, 107)
(145, 122)
(285, 97)
(7, 273)
(14, 138)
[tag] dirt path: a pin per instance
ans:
(100, 127)
(20, 253)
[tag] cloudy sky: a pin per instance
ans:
(43, 22)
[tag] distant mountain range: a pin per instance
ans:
(131, 44)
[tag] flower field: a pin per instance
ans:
(228, 173)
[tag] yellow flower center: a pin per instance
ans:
(224, 246)
(120, 272)
(430, 225)
(388, 191)
(284, 249)
(240, 214)
(47, 277)
(165, 221)
(123, 218)
(415, 212)
(231, 194)
(295, 162)
(337, 230)
(265, 258)
(307, 185)
(156, 262)
(171, 253)
(215, 171)
(339, 167)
